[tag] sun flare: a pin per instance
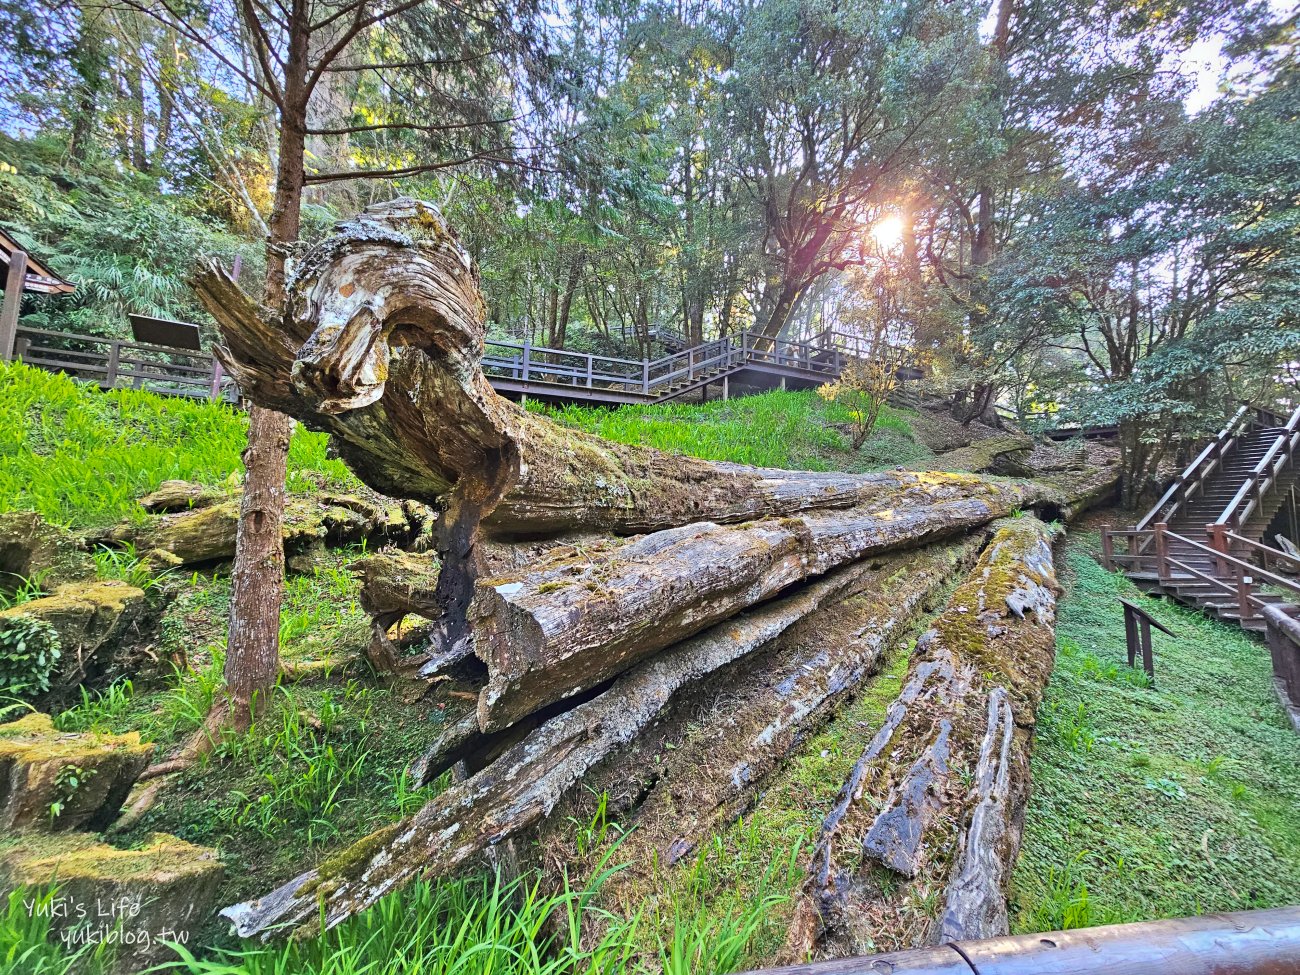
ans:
(888, 233)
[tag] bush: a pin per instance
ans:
(29, 651)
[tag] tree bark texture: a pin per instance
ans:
(701, 766)
(937, 797)
(257, 578)
(567, 625)
(517, 790)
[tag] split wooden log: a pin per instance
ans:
(573, 623)
(703, 764)
(517, 790)
(966, 714)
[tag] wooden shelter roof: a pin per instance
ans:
(40, 278)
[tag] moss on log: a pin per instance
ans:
(938, 793)
(574, 622)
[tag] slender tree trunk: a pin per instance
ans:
(89, 62)
(253, 646)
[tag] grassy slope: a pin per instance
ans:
(1160, 801)
(81, 458)
(789, 430)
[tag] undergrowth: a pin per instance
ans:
(1162, 799)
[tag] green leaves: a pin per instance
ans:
(29, 651)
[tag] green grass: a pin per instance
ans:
(81, 457)
(1155, 801)
(790, 430)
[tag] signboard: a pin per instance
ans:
(160, 331)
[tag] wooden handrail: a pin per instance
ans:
(1261, 477)
(1180, 482)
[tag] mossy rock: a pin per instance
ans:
(33, 549)
(53, 781)
(91, 619)
(133, 899)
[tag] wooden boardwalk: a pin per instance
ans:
(515, 369)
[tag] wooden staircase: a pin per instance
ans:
(1205, 542)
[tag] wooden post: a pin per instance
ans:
(114, 357)
(1107, 551)
(726, 388)
(1162, 550)
(1148, 661)
(1219, 542)
(1244, 583)
(690, 365)
(13, 301)
(215, 389)
(645, 376)
(528, 352)
(589, 360)
(1130, 633)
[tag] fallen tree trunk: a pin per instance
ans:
(705, 762)
(966, 714)
(380, 344)
(517, 790)
(571, 623)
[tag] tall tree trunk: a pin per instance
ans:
(89, 62)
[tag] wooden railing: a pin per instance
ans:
(1192, 480)
(1264, 477)
(1147, 551)
(522, 362)
(117, 363)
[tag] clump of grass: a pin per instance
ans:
(28, 945)
(81, 457)
(1155, 800)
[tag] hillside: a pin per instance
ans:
(330, 763)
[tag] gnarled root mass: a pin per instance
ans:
(931, 812)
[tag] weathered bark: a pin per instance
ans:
(568, 625)
(703, 764)
(520, 788)
(966, 714)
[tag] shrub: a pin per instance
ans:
(29, 651)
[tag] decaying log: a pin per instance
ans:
(975, 904)
(966, 714)
(571, 623)
(705, 762)
(380, 344)
(522, 786)
(985, 455)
